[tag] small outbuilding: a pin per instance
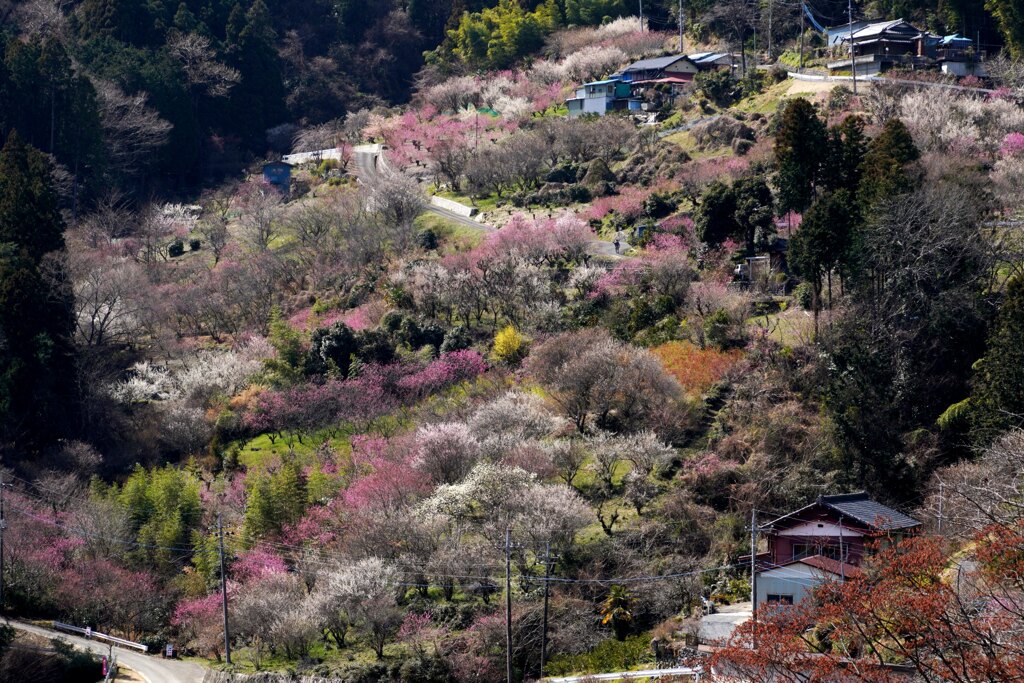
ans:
(278, 174)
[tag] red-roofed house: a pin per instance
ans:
(823, 541)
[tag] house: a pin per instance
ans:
(824, 541)
(278, 174)
(792, 582)
(672, 68)
(958, 56)
(600, 97)
(712, 61)
(883, 45)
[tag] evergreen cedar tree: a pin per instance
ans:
(742, 211)
(824, 241)
(886, 171)
(998, 400)
(800, 149)
(37, 367)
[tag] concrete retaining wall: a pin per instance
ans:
(453, 206)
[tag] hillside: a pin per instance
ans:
(575, 383)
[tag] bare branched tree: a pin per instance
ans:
(203, 73)
(132, 130)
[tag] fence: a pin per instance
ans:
(93, 635)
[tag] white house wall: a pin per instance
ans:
(820, 530)
(797, 580)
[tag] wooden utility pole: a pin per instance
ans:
(942, 492)
(3, 526)
(641, 16)
(753, 573)
(508, 604)
(547, 580)
(853, 55)
(803, 16)
(680, 26)
(842, 558)
(224, 591)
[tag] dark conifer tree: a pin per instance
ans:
(800, 149)
(37, 369)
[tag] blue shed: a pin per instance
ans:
(278, 174)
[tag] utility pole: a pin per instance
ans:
(941, 497)
(770, 7)
(842, 559)
(853, 56)
(680, 26)
(224, 591)
(508, 604)
(641, 16)
(547, 579)
(803, 11)
(3, 526)
(753, 574)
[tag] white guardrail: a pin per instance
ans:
(94, 635)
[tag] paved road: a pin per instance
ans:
(627, 675)
(366, 167)
(153, 669)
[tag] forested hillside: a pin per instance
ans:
(336, 314)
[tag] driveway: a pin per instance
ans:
(153, 669)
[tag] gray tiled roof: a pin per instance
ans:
(857, 507)
(861, 507)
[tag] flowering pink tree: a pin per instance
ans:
(1013, 145)
(448, 370)
(199, 621)
(256, 564)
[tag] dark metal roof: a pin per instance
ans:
(655, 63)
(858, 507)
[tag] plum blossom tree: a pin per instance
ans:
(261, 205)
(446, 452)
(588, 373)
(366, 590)
(519, 414)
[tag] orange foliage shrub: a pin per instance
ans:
(697, 370)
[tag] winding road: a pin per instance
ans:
(366, 167)
(153, 669)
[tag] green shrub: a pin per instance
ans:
(195, 244)
(717, 86)
(839, 98)
(717, 329)
(427, 239)
(804, 295)
(753, 83)
(456, 339)
(176, 249)
(326, 166)
(609, 655)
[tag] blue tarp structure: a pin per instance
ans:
(810, 17)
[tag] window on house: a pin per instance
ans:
(780, 599)
(829, 550)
